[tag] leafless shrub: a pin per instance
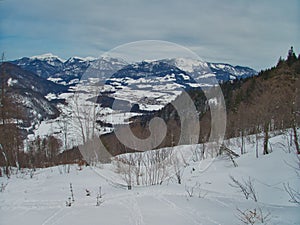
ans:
(178, 170)
(72, 193)
(229, 154)
(99, 201)
(294, 194)
(99, 198)
(59, 170)
(253, 216)
(31, 173)
(64, 168)
(3, 186)
(147, 168)
(67, 168)
(125, 168)
(137, 169)
(155, 164)
(236, 184)
(190, 191)
(198, 153)
(245, 187)
(195, 190)
(100, 192)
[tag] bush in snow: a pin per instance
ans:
(2, 187)
(245, 187)
(99, 197)
(253, 216)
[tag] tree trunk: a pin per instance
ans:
(256, 140)
(266, 138)
(242, 147)
(296, 138)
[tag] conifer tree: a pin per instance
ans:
(291, 58)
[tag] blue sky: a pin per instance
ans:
(252, 33)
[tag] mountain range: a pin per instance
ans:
(69, 71)
(40, 81)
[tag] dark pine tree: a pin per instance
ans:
(291, 57)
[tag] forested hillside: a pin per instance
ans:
(263, 103)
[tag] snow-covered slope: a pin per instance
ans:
(201, 70)
(28, 91)
(226, 72)
(204, 197)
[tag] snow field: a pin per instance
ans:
(41, 199)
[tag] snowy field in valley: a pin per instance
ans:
(80, 103)
(204, 197)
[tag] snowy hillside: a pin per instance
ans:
(204, 196)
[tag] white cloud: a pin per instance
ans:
(252, 33)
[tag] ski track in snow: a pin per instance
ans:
(179, 211)
(190, 213)
(55, 217)
(136, 216)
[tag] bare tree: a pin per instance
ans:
(178, 169)
(296, 113)
(155, 163)
(229, 154)
(144, 168)
(195, 190)
(137, 170)
(293, 193)
(245, 187)
(64, 125)
(84, 113)
(253, 216)
(125, 167)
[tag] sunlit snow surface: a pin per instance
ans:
(41, 199)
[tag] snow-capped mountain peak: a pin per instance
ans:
(81, 59)
(189, 65)
(47, 57)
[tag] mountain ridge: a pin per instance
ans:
(30, 91)
(50, 66)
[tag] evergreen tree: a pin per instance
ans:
(280, 61)
(291, 58)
